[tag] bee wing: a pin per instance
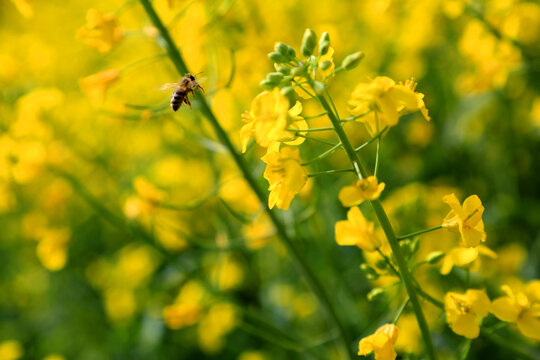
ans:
(201, 80)
(168, 86)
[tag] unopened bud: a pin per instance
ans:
(298, 71)
(352, 60)
(371, 274)
(277, 57)
(285, 70)
(434, 257)
(325, 65)
(287, 90)
(381, 264)
(318, 87)
(375, 294)
(309, 41)
(267, 84)
(274, 77)
(324, 44)
(292, 53)
(282, 49)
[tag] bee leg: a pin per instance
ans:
(187, 102)
(200, 88)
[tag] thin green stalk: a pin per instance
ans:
(294, 252)
(403, 267)
(329, 172)
(141, 61)
(377, 136)
(327, 128)
(408, 236)
(354, 117)
(400, 311)
(377, 157)
(323, 155)
(314, 116)
(316, 139)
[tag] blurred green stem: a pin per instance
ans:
(294, 252)
(403, 267)
(408, 236)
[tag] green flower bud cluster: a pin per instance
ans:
(288, 66)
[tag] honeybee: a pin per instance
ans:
(183, 88)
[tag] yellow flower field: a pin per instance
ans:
(259, 180)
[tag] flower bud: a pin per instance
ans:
(277, 57)
(434, 257)
(318, 87)
(298, 71)
(381, 264)
(375, 294)
(308, 42)
(287, 90)
(292, 53)
(285, 70)
(325, 65)
(283, 49)
(324, 44)
(267, 84)
(371, 274)
(274, 77)
(352, 60)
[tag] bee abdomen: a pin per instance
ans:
(176, 100)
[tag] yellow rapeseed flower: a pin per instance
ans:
(356, 230)
(465, 311)
(381, 343)
(268, 118)
(285, 175)
(466, 219)
(10, 350)
(520, 308)
(101, 31)
(365, 189)
(95, 86)
(465, 257)
(386, 101)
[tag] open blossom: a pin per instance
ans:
(381, 343)
(465, 257)
(268, 119)
(365, 189)
(356, 230)
(386, 101)
(520, 308)
(95, 86)
(464, 312)
(101, 31)
(285, 175)
(466, 219)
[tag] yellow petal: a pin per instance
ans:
(453, 202)
(529, 325)
(466, 325)
(505, 309)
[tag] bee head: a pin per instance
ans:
(191, 77)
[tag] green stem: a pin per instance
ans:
(377, 157)
(400, 311)
(314, 116)
(294, 252)
(328, 172)
(405, 273)
(377, 136)
(323, 155)
(311, 130)
(316, 139)
(408, 236)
